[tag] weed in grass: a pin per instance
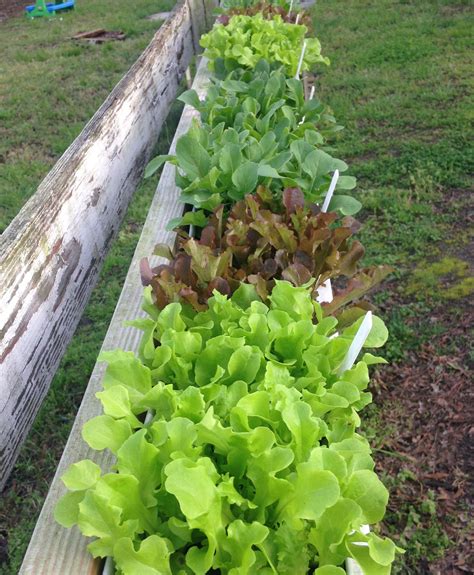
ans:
(423, 537)
(448, 278)
(430, 537)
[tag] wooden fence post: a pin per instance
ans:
(51, 254)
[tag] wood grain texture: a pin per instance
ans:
(51, 254)
(54, 550)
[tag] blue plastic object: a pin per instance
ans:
(51, 7)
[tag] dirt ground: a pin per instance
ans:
(428, 405)
(9, 8)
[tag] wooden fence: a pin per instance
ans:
(51, 254)
(54, 549)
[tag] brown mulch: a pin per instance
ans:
(9, 8)
(427, 402)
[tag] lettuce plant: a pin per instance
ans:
(247, 39)
(258, 243)
(256, 129)
(222, 165)
(249, 4)
(268, 10)
(250, 462)
(260, 100)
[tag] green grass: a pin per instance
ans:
(51, 85)
(400, 82)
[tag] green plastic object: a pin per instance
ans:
(41, 11)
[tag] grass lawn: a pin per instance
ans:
(51, 85)
(400, 80)
(400, 83)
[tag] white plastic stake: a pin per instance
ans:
(332, 187)
(325, 292)
(149, 416)
(300, 63)
(192, 229)
(357, 343)
(352, 567)
(311, 96)
(297, 18)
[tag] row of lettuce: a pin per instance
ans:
(234, 427)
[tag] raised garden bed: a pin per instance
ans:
(236, 348)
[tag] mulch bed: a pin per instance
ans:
(428, 402)
(9, 8)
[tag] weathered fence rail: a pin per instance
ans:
(51, 254)
(53, 549)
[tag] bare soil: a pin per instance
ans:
(9, 8)
(427, 402)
